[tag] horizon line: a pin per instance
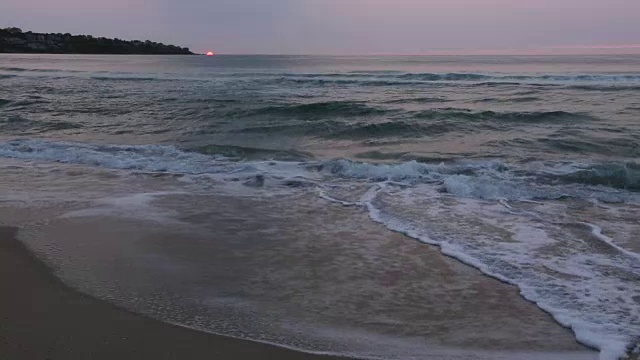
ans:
(429, 54)
(608, 49)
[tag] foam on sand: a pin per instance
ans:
(536, 226)
(587, 289)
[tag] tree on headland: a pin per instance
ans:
(12, 30)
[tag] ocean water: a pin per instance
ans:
(525, 168)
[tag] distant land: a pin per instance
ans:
(14, 40)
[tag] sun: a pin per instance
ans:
(210, 53)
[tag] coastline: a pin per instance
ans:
(14, 40)
(58, 316)
(106, 248)
(44, 318)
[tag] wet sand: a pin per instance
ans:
(458, 313)
(281, 269)
(41, 318)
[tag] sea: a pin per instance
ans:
(524, 168)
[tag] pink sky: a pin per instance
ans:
(347, 26)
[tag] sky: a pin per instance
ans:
(347, 27)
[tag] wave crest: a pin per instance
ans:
(516, 117)
(321, 110)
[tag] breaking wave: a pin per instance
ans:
(495, 180)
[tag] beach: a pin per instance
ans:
(42, 318)
(125, 252)
(401, 207)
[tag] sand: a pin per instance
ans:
(41, 318)
(295, 257)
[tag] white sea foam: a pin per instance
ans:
(597, 232)
(151, 158)
(493, 180)
(154, 159)
(589, 290)
(135, 206)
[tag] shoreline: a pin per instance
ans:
(58, 317)
(44, 318)
(463, 312)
